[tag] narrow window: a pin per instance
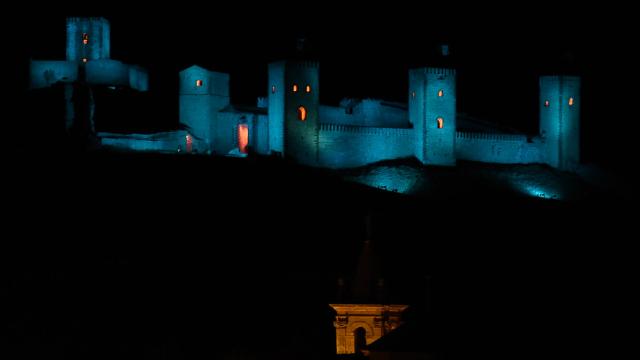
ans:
(302, 113)
(413, 94)
(295, 87)
(308, 88)
(570, 101)
(189, 143)
(440, 93)
(546, 103)
(243, 138)
(84, 60)
(85, 38)
(199, 83)
(440, 122)
(273, 89)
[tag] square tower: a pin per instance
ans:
(294, 88)
(88, 39)
(432, 111)
(203, 93)
(560, 120)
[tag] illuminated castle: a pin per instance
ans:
(87, 64)
(290, 122)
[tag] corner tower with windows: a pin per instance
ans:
(432, 111)
(293, 110)
(560, 120)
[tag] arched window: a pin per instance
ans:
(295, 87)
(440, 122)
(360, 339)
(199, 83)
(273, 89)
(546, 103)
(302, 113)
(440, 93)
(85, 38)
(308, 88)
(243, 138)
(570, 101)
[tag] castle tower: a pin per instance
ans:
(88, 39)
(203, 94)
(432, 111)
(294, 109)
(366, 317)
(560, 120)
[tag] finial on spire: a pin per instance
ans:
(300, 43)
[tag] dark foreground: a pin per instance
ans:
(136, 256)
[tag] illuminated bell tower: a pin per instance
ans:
(365, 316)
(294, 109)
(88, 38)
(432, 111)
(560, 120)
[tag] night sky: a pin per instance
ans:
(135, 253)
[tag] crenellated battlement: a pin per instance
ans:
(304, 64)
(366, 130)
(440, 71)
(490, 136)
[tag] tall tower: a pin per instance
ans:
(432, 111)
(203, 94)
(294, 88)
(88, 39)
(366, 316)
(560, 120)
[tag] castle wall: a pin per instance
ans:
(344, 146)
(498, 148)
(276, 93)
(259, 137)
(367, 113)
(203, 94)
(47, 73)
(158, 142)
(107, 72)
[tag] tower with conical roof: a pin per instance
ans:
(364, 316)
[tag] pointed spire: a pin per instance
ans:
(366, 285)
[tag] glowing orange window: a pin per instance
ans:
(295, 87)
(546, 103)
(85, 38)
(273, 89)
(308, 88)
(199, 83)
(302, 113)
(570, 101)
(189, 143)
(440, 93)
(243, 138)
(440, 122)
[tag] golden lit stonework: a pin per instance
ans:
(376, 321)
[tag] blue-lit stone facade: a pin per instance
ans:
(290, 121)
